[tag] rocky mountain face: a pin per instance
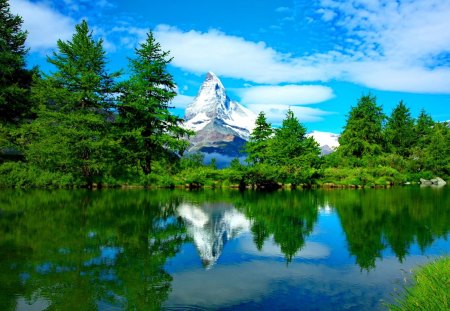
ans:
(222, 126)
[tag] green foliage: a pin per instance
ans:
(430, 289)
(81, 76)
(21, 175)
(15, 79)
(257, 148)
(399, 132)
(362, 135)
(73, 132)
(149, 131)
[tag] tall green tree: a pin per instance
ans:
(399, 132)
(150, 130)
(81, 73)
(15, 79)
(423, 128)
(296, 155)
(73, 131)
(257, 147)
(363, 135)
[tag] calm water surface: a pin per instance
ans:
(147, 250)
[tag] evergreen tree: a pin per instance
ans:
(72, 133)
(15, 79)
(437, 152)
(362, 135)
(296, 155)
(422, 129)
(81, 73)
(258, 144)
(150, 131)
(399, 133)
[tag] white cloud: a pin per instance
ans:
(327, 15)
(286, 94)
(276, 100)
(388, 45)
(282, 9)
(232, 57)
(275, 113)
(181, 101)
(44, 25)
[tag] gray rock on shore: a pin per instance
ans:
(433, 182)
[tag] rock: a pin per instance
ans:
(438, 181)
(435, 182)
(425, 182)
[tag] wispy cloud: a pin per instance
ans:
(181, 101)
(393, 46)
(44, 24)
(286, 94)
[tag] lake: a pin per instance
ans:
(213, 249)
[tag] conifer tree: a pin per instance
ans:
(362, 135)
(399, 131)
(72, 133)
(422, 129)
(296, 155)
(150, 130)
(257, 147)
(15, 79)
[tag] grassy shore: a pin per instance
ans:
(431, 289)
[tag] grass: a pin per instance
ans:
(431, 289)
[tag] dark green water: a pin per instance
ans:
(146, 250)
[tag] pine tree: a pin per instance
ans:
(15, 79)
(422, 129)
(150, 130)
(257, 147)
(362, 135)
(399, 132)
(72, 133)
(296, 155)
(81, 74)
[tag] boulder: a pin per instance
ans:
(433, 182)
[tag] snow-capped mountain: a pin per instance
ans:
(327, 141)
(210, 227)
(221, 125)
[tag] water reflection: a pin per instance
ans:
(139, 250)
(211, 226)
(87, 251)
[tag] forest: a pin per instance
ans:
(82, 125)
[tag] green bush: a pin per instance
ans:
(21, 175)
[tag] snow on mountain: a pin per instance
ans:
(223, 126)
(210, 227)
(212, 104)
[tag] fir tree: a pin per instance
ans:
(258, 144)
(81, 77)
(399, 131)
(296, 155)
(15, 79)
(151, 131)
(362, 135)
(72, 133)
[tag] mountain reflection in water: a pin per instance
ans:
(147, 250)
(211, 226)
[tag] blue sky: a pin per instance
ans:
(315, 56)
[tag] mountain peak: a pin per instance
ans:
(213, 114)
(211, 76)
